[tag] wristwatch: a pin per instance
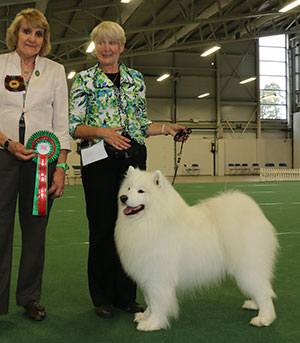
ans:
(6, 144)
(63, 165)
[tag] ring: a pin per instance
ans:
(117, 144)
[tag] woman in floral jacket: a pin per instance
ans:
(108, 112)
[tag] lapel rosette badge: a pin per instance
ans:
(46, 148)
(14, 83)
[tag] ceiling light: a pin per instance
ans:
(210, 51)
(91, 47)
(290, 6)
(247, 80)
(203, 95)
(71, 75)
(163, 77)
(125, 1)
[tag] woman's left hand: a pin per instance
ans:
(58, 182)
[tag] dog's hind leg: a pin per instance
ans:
(266, 312)
(250, 305)
(261, 293)
(162, 304)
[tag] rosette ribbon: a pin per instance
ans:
(46, 148)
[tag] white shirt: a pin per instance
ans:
(46, 104)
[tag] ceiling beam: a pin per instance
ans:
(129, 10)
(83, 7)
(210, 11)
(14, 2)
(41, 5)
(185, 47)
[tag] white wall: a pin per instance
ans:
(161, 153)
(297, 140)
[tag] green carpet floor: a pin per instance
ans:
(214, 315)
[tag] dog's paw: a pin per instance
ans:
(250, 305)
(149, 325)
(260, 321)
(140, 316)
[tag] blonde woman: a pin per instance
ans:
(33, 94)
(108, 111)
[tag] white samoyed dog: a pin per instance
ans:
(167, 246)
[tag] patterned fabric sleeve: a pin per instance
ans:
(78, 104)
(142, 106)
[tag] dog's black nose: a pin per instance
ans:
(123, 198)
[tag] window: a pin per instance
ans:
(273, 77)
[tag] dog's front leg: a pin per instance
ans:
(140, 316)
(162, 304)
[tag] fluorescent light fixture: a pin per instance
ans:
(290, 6)
(203, 95)
(91, 47)
(248, 80)
(210, 51)
(125, 1)
(71, 75)
(163, 77)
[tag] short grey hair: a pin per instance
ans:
(108, 29)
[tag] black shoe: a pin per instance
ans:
(133, 307)
(104, 311)
(35, 311)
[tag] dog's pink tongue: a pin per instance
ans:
(129, 210)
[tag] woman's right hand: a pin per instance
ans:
(111, 136)
(20, 151)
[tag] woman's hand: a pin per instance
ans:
(111, 136)
(58, 183)
(173, 129)
(20, 151)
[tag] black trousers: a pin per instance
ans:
(17, 182)
(108, 283)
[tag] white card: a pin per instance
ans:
(95, 153)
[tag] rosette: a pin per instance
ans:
(14, 83)
(46, 148)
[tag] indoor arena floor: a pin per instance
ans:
(213, 315)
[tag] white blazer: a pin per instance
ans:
(46, 103)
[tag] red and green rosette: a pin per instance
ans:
(46, 148)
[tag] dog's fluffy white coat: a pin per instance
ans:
(170, 246)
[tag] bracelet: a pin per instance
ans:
(6, 144)
(163, 129)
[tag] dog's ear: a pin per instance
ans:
(130, 170)
(157, 178)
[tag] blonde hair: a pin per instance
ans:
(36, 19)
(108, 29)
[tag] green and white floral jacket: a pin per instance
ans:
(96, 101)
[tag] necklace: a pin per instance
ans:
(27, 70)
(113, 77)
(114, 80)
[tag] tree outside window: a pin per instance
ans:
(273, 77)
(272, 102)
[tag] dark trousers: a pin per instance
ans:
(108, 283)
(17, 181)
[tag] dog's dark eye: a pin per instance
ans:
(141, 191)
(128, 189)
